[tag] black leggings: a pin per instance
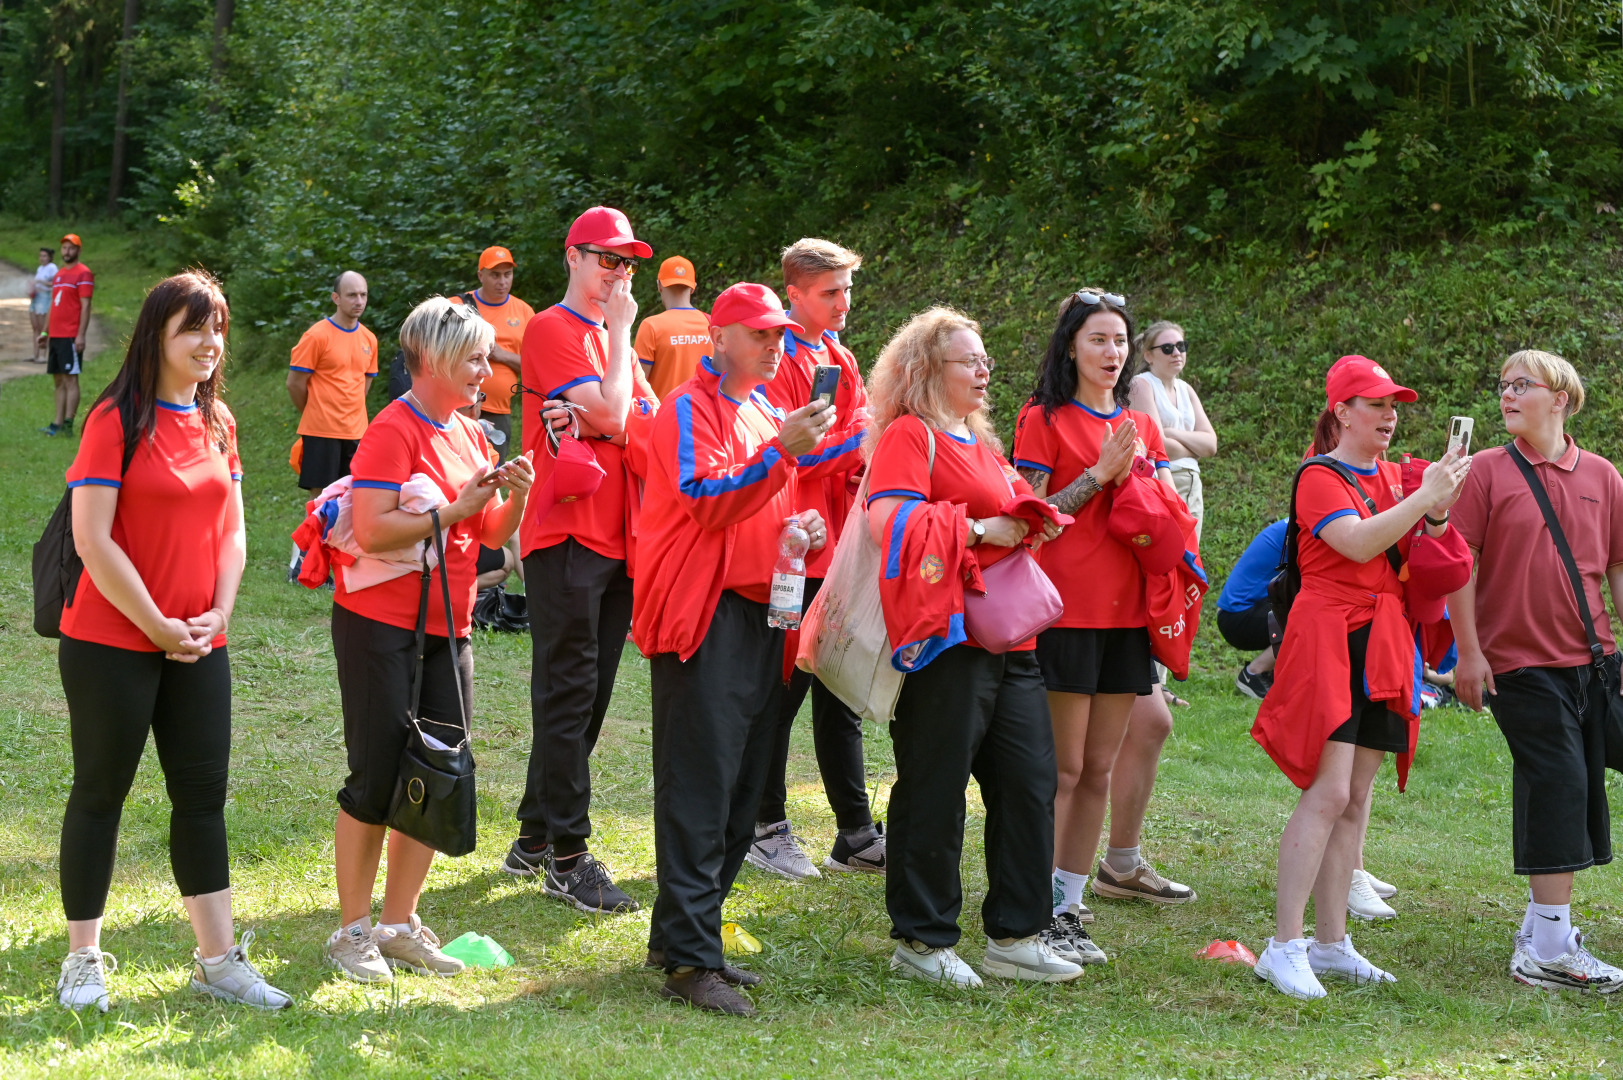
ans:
(114, 697)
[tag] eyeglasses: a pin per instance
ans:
(461, 311)
(1091, 299)
(1171, 347)
(608, 260)
(973, 362)
(1519, 386)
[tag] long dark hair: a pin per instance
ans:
(134, 390)
(1056, 379)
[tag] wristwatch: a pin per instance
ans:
(977, 529)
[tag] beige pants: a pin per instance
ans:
(1187, 481)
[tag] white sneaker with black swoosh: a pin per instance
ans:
(1578, 969)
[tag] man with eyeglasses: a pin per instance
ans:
(575, 553)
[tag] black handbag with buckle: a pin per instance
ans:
(434, 800)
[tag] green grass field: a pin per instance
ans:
(578, 1002)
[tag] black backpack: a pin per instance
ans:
(399, 376)
(57, 566)
(1287, 580)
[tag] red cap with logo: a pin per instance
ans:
(756, 306)
(575, 475)
(1140, 520)
(606, 227)
(1359, 376)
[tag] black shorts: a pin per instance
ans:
(1088, 661)
(62, 357)
(1372, 725)
(490, 559)
(1245, 630)
(1552, 720)
(325, 460)
(375, 664)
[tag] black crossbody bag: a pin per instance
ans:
(1606, 667)
(434, 800)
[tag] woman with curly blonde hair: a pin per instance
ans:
(937, 472)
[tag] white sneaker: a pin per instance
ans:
(1341, 961)
(1284, 965)
(236, 980)
(1523, 943)
(1578, 969)
(354, 951)
(84, 978)
(1382, 889)
(1362, 903)
(915, 960)
(781, 852)
(1028, 959)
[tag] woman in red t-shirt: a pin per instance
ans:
(374, 629)
(963, 711)
(1075, 440)
(1344, 693)
(157, 518)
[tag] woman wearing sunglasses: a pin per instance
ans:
(1163, 394)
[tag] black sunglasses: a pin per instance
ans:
(1171, 347)
(608, 260)
(461, 311)
(1091, 299)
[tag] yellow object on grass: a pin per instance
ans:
(736, 939)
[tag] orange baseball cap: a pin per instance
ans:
(676, 271)
(606, 227)
(73, 238)
(493, 257)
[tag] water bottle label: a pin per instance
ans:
(787, 591)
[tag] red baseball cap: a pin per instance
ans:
(606, 227)
(1139, 519)
(575, 475)
(73, 238)
(493, 257)
(1359, 376)
(756, 306)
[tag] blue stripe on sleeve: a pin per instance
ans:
(898, 526)
(835, 451)
(893, 492)
(95, 481)
(236, 476)
(371, 374)
(382, 485)
(933, 647)
(306, 370)
(694, 487)
(1022, 463)
(1328, 518)
(573, 383)
(1163, 464)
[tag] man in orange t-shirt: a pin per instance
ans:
(670, 343)
(509, 315)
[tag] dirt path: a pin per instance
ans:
(16, 332)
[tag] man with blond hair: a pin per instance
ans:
(817, 278)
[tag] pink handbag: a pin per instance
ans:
(1020, 603)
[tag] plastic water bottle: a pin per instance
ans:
(789, 578)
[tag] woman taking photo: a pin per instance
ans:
(963, 711)
(1074, 441)
(157, 519)
(447, 350)
(1344, 684)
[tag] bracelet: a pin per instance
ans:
(1435, 523)
(1094, 484)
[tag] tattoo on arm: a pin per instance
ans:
(1075, 495)
(1035, 477)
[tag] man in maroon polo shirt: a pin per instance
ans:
(1522, 636)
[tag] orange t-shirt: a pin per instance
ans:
(669, 344)
(509, 317)
(339, 362)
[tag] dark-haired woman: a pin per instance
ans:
(157, 518)
(1074, 441)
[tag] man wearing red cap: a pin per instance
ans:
(70, 321)
(670, 343)
(725, 469)
(575, 555)
(509, 315)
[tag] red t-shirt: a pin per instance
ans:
(563, 350)
(1322, 497)
(1096, 574)
(171, 518)
(755, 541)
(1526, 615)
(72, 287)
(967, 472)
(402, 441)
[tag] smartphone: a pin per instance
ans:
(825, 380)
(1459, 433)
(496, 475)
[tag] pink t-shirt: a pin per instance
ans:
(1526, 615)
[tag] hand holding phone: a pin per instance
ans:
(1459, 434)
(825, 381)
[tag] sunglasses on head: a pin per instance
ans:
(461, 311)
(608, 260)
(1171, 347)
(1092, 299)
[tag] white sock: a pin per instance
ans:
(215, 960)
(1067, 889)
(1552, 930)
(1527, 916)
(1122, 860)
(767, 828)
(403, 929)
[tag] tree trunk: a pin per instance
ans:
(224, 12)
(115, 182)
(59, 121)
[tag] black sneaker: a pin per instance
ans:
(869, 859)
(704, 989)
(588, 887)
(526, 864)
(1253, 685)
(730, 975)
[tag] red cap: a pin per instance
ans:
(1141, 521)
(73, 238)
(493, 257)
(575, 475)
(756, 306)
(1359, 376)
(606, 227)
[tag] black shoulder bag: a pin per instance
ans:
(1606, 667)
(1287, 580)
(433, 799)
(57, 566)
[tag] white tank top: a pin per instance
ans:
(1177, 411)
